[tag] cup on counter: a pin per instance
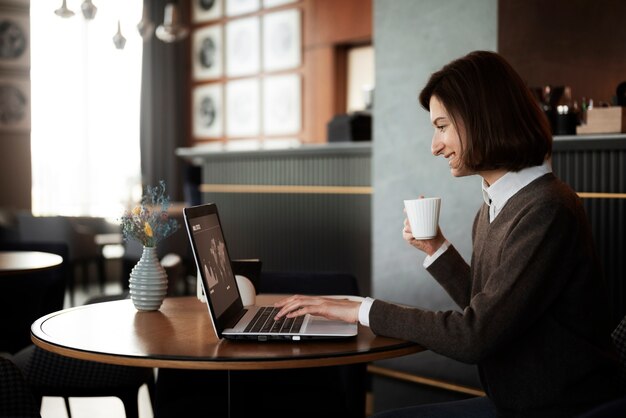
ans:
(423, 216)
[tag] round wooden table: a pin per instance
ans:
(16, 262)
(180, 335)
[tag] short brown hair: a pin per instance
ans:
(504, 125)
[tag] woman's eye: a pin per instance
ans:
(441, 128)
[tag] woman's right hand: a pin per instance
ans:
(429, 246)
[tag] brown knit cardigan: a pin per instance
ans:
(534, 307)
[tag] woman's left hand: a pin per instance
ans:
(330, 308)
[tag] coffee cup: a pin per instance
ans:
(423, 216)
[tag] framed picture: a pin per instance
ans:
(282, 104)
(274, 3)
(14, 104)
(243, 108)
(240, 7)
(207, 52)
(207, 111)
(281, 40)
(14, 40)
(242, 47)
(206, 10)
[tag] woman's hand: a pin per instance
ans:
(330, 308)
(429, 246)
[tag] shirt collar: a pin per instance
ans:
(509, 184)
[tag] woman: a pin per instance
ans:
(533, 302)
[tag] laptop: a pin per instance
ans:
(229, 316)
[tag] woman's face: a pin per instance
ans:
(446, 139)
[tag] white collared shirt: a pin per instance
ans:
(508, 185)
(495, 197)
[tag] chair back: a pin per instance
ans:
(79, 238)
(316, 283)
(16, 399)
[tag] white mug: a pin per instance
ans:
(423, 216)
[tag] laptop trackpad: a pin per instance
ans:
(321, 325)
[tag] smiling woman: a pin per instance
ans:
(85, 109)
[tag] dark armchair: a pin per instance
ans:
(79, 238)
(16, 399)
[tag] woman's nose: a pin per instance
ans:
(436, 147)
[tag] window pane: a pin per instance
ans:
(85, 108)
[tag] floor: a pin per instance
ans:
(107, 407)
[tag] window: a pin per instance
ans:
(360, 78)
(85, 109)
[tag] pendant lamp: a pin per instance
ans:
(89, 9)
(119, 39)
(171, 30)
(63, 11)
(145, 27)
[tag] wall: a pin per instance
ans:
(413, 39)
(563, 42)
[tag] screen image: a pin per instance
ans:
(219, 279)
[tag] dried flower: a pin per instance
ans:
(149, 222)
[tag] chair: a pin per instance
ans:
(336, 390)
(50, 374)
(80, 240)
(16, 399)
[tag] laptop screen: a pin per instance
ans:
(212, 259)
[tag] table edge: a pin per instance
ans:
(217, 364)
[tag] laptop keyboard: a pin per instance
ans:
(263, 321)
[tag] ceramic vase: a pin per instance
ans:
(148, 281)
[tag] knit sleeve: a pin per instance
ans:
(453, 273)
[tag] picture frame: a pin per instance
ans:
(207, 53)
(282, 107)
(243, 47)
(282, 40)
(206, 10)
(243, 108)
(14, 40)
(15, 104)
(240, 7)
(207, 111)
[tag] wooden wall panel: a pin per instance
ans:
(318, 92)
(338, 21)
(566, 42)
(330, 28)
